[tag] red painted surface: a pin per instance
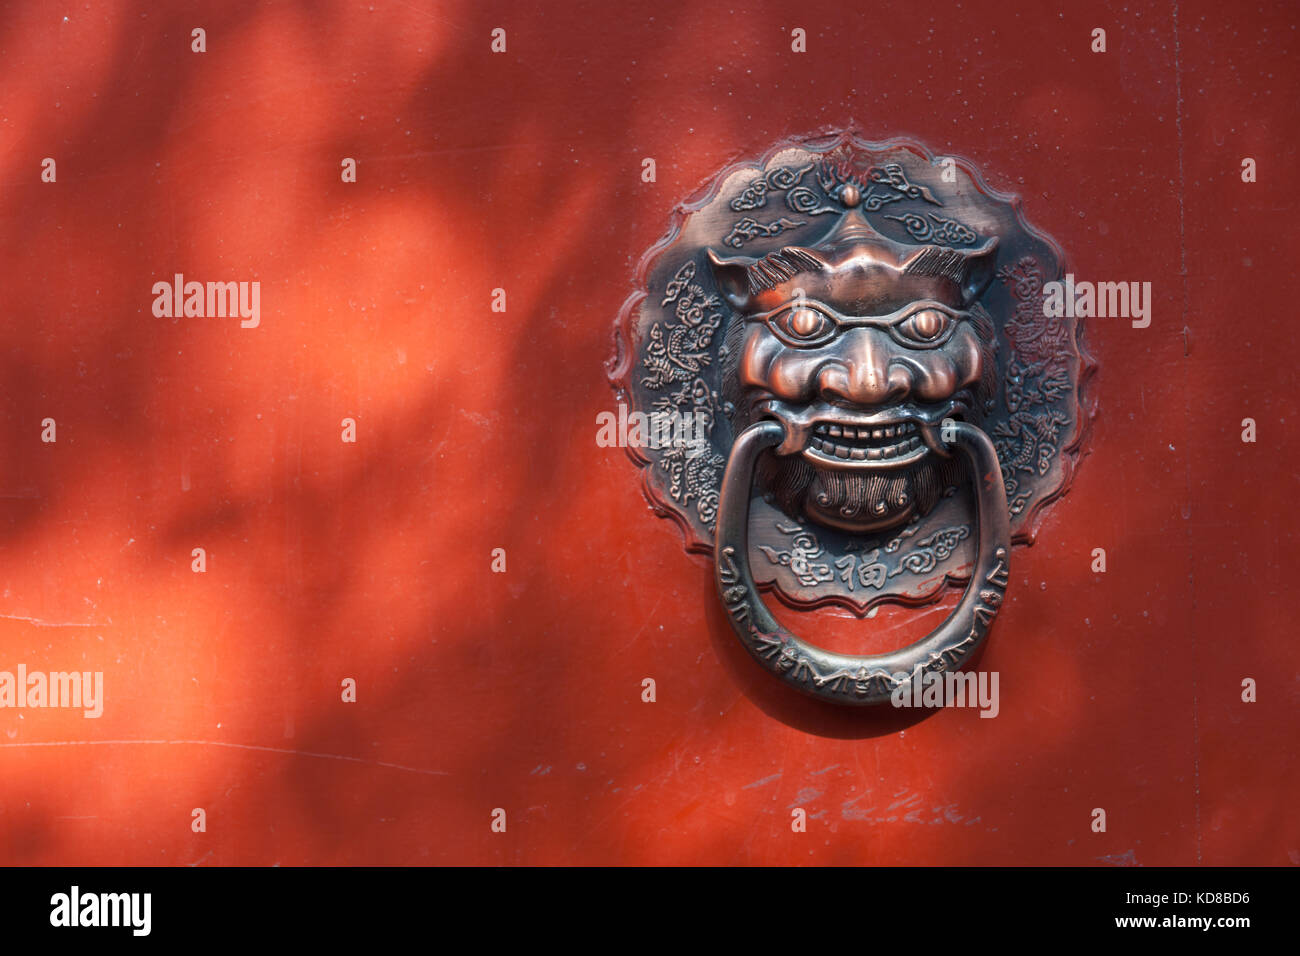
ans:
(476, 431)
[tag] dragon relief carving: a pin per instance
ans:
(678, 351)
(1038, 385)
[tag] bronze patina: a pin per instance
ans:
(886, 408)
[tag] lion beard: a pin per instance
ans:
(855, 501)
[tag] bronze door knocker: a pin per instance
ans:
(884, 408)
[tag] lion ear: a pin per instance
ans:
(980, 265)
(732, 277)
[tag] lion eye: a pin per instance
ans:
(925, 326)
(804, 324)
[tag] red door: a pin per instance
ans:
(361, 583)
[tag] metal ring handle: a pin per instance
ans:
(845, 678)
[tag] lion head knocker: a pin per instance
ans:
(886, 405)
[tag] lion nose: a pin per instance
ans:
(862, 373)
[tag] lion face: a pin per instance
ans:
(860, 346)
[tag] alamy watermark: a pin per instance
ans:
(1100, 300)
(948, 689)
(75, 908)
(78, 690)
(661, 429)
(178, 298)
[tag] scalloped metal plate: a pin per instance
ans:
(669, 334)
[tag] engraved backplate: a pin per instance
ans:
(669, 360)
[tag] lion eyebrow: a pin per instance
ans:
(938, 261)
(776, 267)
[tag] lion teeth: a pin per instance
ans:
(864, 443)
